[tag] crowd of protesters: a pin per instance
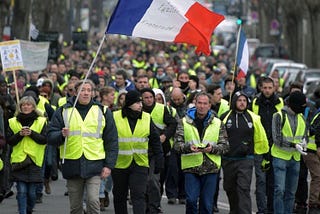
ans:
(202, 117)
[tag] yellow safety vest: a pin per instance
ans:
(27, 146)
(191, 137)
(157, 115)
(173, 112)
(255, 108)
(312, 143)
(260, 140)
(132, 146)
(224, 107)
(287, 153)
(85, 135)
(62, 101)
(253, 82)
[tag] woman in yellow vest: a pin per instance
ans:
(289, 134)
(27, 137)
(137, 137)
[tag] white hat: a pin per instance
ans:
(39, 82)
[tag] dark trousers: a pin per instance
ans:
(270, 187)
(237, 175)
(175, 177)
(133, 178)
(302, 190)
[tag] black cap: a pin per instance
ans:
(132, 97)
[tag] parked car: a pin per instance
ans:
(307, 77)
(269, 62)
(288, 71)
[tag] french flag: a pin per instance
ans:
(179, 21)
(242, 53)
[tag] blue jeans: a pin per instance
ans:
(286, 175)
(26, 196)
(200, 187)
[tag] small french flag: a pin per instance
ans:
(242, 60)
(180, 21)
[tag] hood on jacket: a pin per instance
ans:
(235, 97)
(159, 91)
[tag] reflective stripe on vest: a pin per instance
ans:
(191, 137)
(85, 135)
(284, 152)
(132, 146)
(27, 146)
(157, 115)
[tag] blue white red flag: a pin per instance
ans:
(242, 60)
(180, 21)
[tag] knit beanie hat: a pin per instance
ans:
(148, 90)
(132, 97)
(297, 102)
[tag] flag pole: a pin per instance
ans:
(15, 85)
(235, 62)
(77, 97)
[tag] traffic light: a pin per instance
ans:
(239, 21)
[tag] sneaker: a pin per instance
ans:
(172, 201)
(159, 210)
(182, 201)
(66, 193)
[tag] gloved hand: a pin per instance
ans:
(265, 165)
(299, 148)
(304, 144)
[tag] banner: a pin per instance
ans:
(11, 57)
(24, 55)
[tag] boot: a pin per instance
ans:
(47, 186)
(106, 199)
(102, 204)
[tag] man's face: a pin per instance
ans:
(120, 81)
(241, 103)
(85, 94)
(142, 83)
(147, 99)
(217, 96)
(203, 106)
(267, 89)
(177, 99)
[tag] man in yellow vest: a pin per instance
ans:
(312, 161)
(265, 105)
(166, 125)
(246, 137)
(201, 139)
(137, 137)
(88, 143)
(289, 142)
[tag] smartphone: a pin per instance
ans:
(203, 147)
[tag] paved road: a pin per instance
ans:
(57, 203)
